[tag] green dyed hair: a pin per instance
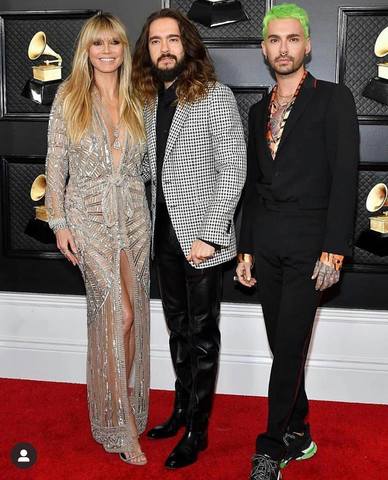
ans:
(287, 10)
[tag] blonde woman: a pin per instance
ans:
(98, 211)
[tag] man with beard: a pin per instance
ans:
(297, 221)
(196, 161)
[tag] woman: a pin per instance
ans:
(101, 222)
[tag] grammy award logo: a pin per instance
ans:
(50, 69)
(38, 227)
(38, 191)
(47, 76)
(377, 88)
(377, 199)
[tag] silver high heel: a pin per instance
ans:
(132, 459)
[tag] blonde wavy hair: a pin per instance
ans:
(76, 89)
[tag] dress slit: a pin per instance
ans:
(117, 402)
(140, 330)
(127, 292)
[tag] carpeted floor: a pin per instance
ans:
(352, 438)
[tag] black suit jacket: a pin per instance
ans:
(316, 162)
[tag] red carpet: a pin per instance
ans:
(352, 438)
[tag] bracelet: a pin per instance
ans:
(245, 257)
(57, 224)
(332, 259)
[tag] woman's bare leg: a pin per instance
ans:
(126, 278)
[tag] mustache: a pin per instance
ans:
(167, 55)
(281, 57)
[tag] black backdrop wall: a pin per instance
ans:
(23, 147)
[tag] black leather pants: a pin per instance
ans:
(191, 304)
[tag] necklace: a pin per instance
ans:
(278, 114)
(116, 143)
(275, 100)
(116, 135)
(284, 103)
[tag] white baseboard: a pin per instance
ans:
(43, 337)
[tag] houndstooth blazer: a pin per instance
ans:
(203, 171)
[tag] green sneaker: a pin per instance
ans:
(298, 447)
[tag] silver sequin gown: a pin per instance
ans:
(106, 210)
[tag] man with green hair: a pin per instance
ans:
(297, 225)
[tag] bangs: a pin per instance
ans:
(113, 34)
(102, 26)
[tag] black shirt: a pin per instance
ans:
(167, 101)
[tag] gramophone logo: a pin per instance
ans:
(377, 88)
(38, 227)
(38, 191)
(47, 76)
(374, 239)
(377, 199)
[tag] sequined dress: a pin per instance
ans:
(106, 210)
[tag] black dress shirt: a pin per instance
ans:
(167, 101)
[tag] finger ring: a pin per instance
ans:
(235, 278)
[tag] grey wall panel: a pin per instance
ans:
(374, 143)
(235, 66)
(132, 12)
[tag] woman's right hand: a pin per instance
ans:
(66, 244)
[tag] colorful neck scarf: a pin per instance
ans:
(277, 117)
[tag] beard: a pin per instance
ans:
(292, 67)
(168, 74)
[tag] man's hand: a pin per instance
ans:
(200, 251)
(243, 272)
(325, 274)
(66, 245)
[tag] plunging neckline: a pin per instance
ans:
(115, 168)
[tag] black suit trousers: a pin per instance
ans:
(288, 241)
(191, 303)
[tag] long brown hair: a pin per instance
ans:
(194, 82)
(76, 89)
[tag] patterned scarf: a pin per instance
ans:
(277, 117)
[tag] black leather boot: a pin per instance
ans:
(171, 427)
(187, 450)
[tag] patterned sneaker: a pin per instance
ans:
(298, 447)
(265, 468)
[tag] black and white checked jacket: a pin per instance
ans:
(203, 171)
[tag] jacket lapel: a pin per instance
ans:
(178, 121)
(301, 102)
(150, 127)
(263, 125)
